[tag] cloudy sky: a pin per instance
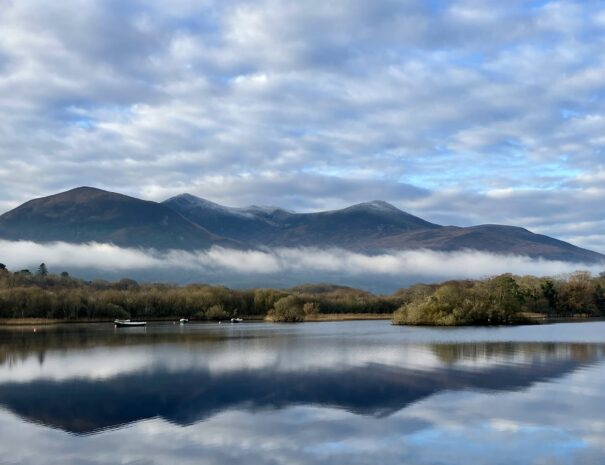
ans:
(462, 112)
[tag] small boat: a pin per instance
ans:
(183, 321)
(128, 323)
(236, 320)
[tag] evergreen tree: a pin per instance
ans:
(42, 270)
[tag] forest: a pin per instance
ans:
(41, 294)
(504, 299)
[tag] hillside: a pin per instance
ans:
(369, 227)
(87, 214)
(187, 222)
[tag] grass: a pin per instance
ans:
(348, 316)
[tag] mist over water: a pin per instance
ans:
(348, 392)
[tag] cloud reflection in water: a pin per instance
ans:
(475, 402)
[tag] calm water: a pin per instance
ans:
(338, 393)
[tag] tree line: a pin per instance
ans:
(41, 294)
(503, 299)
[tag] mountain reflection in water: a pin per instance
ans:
(85, 406)
(183, 395)
(87, 380)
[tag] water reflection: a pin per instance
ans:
(87, 380)
(183, 397)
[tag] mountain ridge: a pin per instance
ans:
(88, 214)
(378, 226)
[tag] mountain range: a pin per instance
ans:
(187, 222)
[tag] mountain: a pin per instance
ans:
(187, 222)
(251, 225)
(368, 227)
(87, 214)
(357, 227)
(493, 238)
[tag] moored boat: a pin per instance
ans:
(128, 323)
(236, 320)
(183, 321)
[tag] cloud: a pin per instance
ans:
(433, 106)
(452, 418)
(21, 254)
(319, 263)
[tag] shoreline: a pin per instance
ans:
(6, 322)
(565, 319)
(347, 317)
(319, 318)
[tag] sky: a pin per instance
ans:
(462, 112)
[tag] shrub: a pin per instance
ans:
(216, 312)
(310, 308)
(288, 310)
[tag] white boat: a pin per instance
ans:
(236, 320)
(183, 321)
(128, 323)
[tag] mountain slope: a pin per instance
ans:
(499, 239)
(186, 222)
(352, 227)
(357, 227)
(87, 214)
(253, 225)
(369, 227)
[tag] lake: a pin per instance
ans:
(317, 393)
